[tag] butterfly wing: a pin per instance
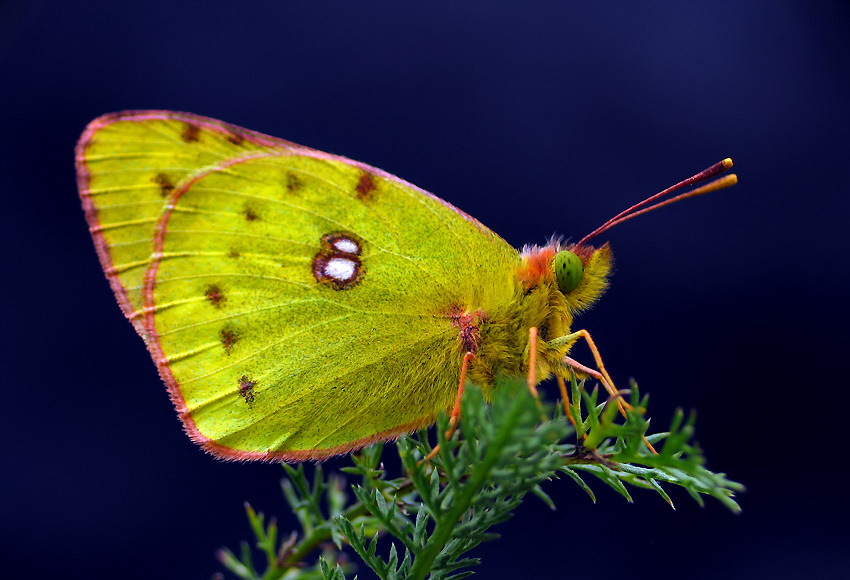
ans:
(297, 304)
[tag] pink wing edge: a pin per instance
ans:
(146, 327)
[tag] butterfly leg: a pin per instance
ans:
(455, 415)
(532, 368)
(565, 396)
(532, 361)
(601, 375)
(609, 387)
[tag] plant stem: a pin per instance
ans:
(446, 524)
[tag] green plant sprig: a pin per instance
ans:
(423, 523)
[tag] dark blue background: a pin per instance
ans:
(535, 117)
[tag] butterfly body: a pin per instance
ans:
(298, 304)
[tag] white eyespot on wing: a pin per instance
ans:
(346, 246)
(340, 269)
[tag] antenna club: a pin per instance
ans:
(712, 171)
(717, 184)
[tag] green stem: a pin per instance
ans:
(322, 534)
(445, 525)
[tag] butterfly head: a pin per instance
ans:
(579, 272)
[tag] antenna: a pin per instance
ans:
(641, 208)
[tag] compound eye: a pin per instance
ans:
(568, 271)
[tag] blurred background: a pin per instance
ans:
(535, 117)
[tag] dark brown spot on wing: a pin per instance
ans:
(164, 183)
(233, 254)
(251, 214)
(246, 389)
(215, 296)
(228, 339)
(235, 138)
(293, 182)
(366, 186)
(191, 133)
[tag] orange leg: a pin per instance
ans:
(565, 396)
(602, 375)
(532, 370)
(532, 362)
(455, 415)
(608, 383)
(598, 376)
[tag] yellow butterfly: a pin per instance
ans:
(301, 305)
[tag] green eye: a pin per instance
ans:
(568, 270)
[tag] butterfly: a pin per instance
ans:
(300, 305)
